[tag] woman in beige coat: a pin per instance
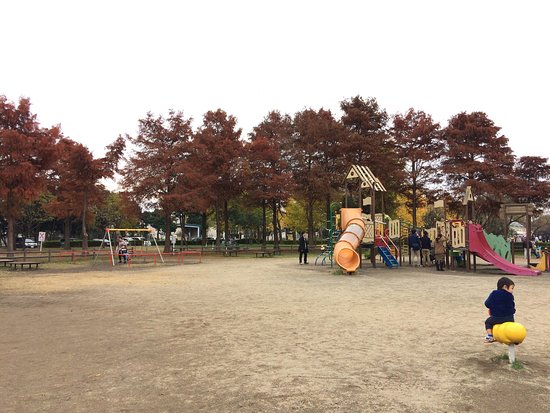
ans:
(440, 247)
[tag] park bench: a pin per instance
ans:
(14, 264)
(264, 254)
(231, 251)
(6, 261)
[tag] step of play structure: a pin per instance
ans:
(387, 256)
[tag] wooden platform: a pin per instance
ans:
(14, 264)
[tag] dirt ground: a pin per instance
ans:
(264, 335)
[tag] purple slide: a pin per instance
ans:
(479, 245)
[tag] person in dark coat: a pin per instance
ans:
(426, 244)
(414, 247)
(303, 247)
(501, 306)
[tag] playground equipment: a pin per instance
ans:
(350, 239)
(544, 263)
(108, 236)
(478, 244)
(332, 237)
(364, 180)
(510, 333)
(387, 249)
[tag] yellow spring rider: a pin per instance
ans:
(510, 333)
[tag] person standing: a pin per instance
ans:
(426, 244)
(303, 247)
(414, 247)
(440, 247)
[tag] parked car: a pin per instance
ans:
(105, 241)
(25, 243)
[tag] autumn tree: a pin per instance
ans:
(77, 182)
(419, 144)
(157, 164)
(218, 151)
(370, 144)
(27, 151)
(63, 203)
(317, 159)
(531, 182)
(477, 156)
(270, 179)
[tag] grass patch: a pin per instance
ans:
(516, 365)
(500, 358)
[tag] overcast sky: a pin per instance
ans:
(96, 67)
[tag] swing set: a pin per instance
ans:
(107, 236)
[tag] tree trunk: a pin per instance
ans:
(328, 210)
(264, 224)
(11, 233)
(182, 224)
(67, 232)
(218, 223)
(274, 222)
(84, 230)
(310, 203)
(10, 217)
(226, 222)
(414, 206)
(168, 231)
(279, 229)
(204, 228)
(413, 189)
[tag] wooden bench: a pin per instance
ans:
(229, 251)
(14, 264)
(264, 254)
(6, 261)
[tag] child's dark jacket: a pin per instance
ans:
(501, 303)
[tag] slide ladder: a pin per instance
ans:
(387, 256)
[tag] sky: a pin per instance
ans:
(97, 67)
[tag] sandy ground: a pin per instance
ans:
(264, 335)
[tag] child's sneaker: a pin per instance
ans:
(489, 339)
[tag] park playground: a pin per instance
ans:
(264, 335)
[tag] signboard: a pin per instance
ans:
(518, 209)
(41, 239)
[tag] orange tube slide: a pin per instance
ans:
(344, 250)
